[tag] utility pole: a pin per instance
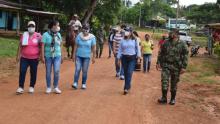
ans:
(177, 12)
(139, 24)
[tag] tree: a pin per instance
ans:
(89, 11)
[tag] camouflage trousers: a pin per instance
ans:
(170, 76)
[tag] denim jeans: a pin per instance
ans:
(119, 68)
(146, 62)
(52, 62)
(24, 64)
(110, 45)
(81, 64)
(128, 63)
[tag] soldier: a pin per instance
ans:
(172, 59)
(101, 37)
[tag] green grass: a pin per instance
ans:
(200, 40)
(202, 70)
(8, 47)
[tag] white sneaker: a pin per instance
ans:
(75, 85)
(57, 90)
(122, 77)
(83, 86)
(20, 90)
(31, 90)
(49, 90)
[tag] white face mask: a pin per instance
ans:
(58, 29)
(31, 30)
(127, 33)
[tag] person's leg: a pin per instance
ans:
(130, 70)
(144, 62)
(148, 62)
(110, 49)
(165, 75)
(175, 76)
(97, 50)
(23, 69)
(85, 66)
(48, 64)
(117, 67)
(56, 69)
(101, 50)
(33, 71)
(78, 66)
(125, 67)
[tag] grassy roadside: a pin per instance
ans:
(8, 47)
(202, 70)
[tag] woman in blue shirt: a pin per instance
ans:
(85, 45)
(129, 51)
(52, 42)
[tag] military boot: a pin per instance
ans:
(173, 96)
(163, 100)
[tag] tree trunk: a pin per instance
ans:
(89, 11)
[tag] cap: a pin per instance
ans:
(31, 23)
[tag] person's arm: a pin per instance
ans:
(119, 50)
(159, 57)
(42, 53)
(185, 53)
(18, 53)
(138, 50)
(93, 50)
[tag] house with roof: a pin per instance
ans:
(11, 14)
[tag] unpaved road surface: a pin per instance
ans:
(101, 103)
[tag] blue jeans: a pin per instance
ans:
(128, 63)
(146, 62)
(110, 45)
(24, 64)
(81, 64)
(119, 68)
(54, 63)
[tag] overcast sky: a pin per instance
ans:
(186, 2)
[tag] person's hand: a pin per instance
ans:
(42, 60)
(73, 59)
(119, 62)
(17, 59)
(93, 60)
(182, 71)
(158, 67)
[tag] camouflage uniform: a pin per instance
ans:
(172, 57)
(100, 42)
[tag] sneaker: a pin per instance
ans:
(122, 77)
(57, 90)
(126, 92)
(75, 85)
(49, 90)
(83, 86)
(20, 90)
(31, 90)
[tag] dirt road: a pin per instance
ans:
(101, 103)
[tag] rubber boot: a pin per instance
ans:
(163, 100)
(173, 96)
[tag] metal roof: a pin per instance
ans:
(9, 7)
(41, 12)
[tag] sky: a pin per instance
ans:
(186, 2)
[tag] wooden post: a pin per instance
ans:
(18, 24)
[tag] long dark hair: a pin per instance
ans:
(52, 23)
(135, 33)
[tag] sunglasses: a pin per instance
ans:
(31, 26)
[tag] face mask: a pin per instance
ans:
(31, 30)
(58, 29)
(127, 33)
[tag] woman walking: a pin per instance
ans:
(28, 55)
(147, 49)
(85, 45)
(128, 52)
(52, 42)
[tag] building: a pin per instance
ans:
(11, 13)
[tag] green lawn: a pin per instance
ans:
(8, 47)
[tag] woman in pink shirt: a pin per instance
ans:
(28, 55)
